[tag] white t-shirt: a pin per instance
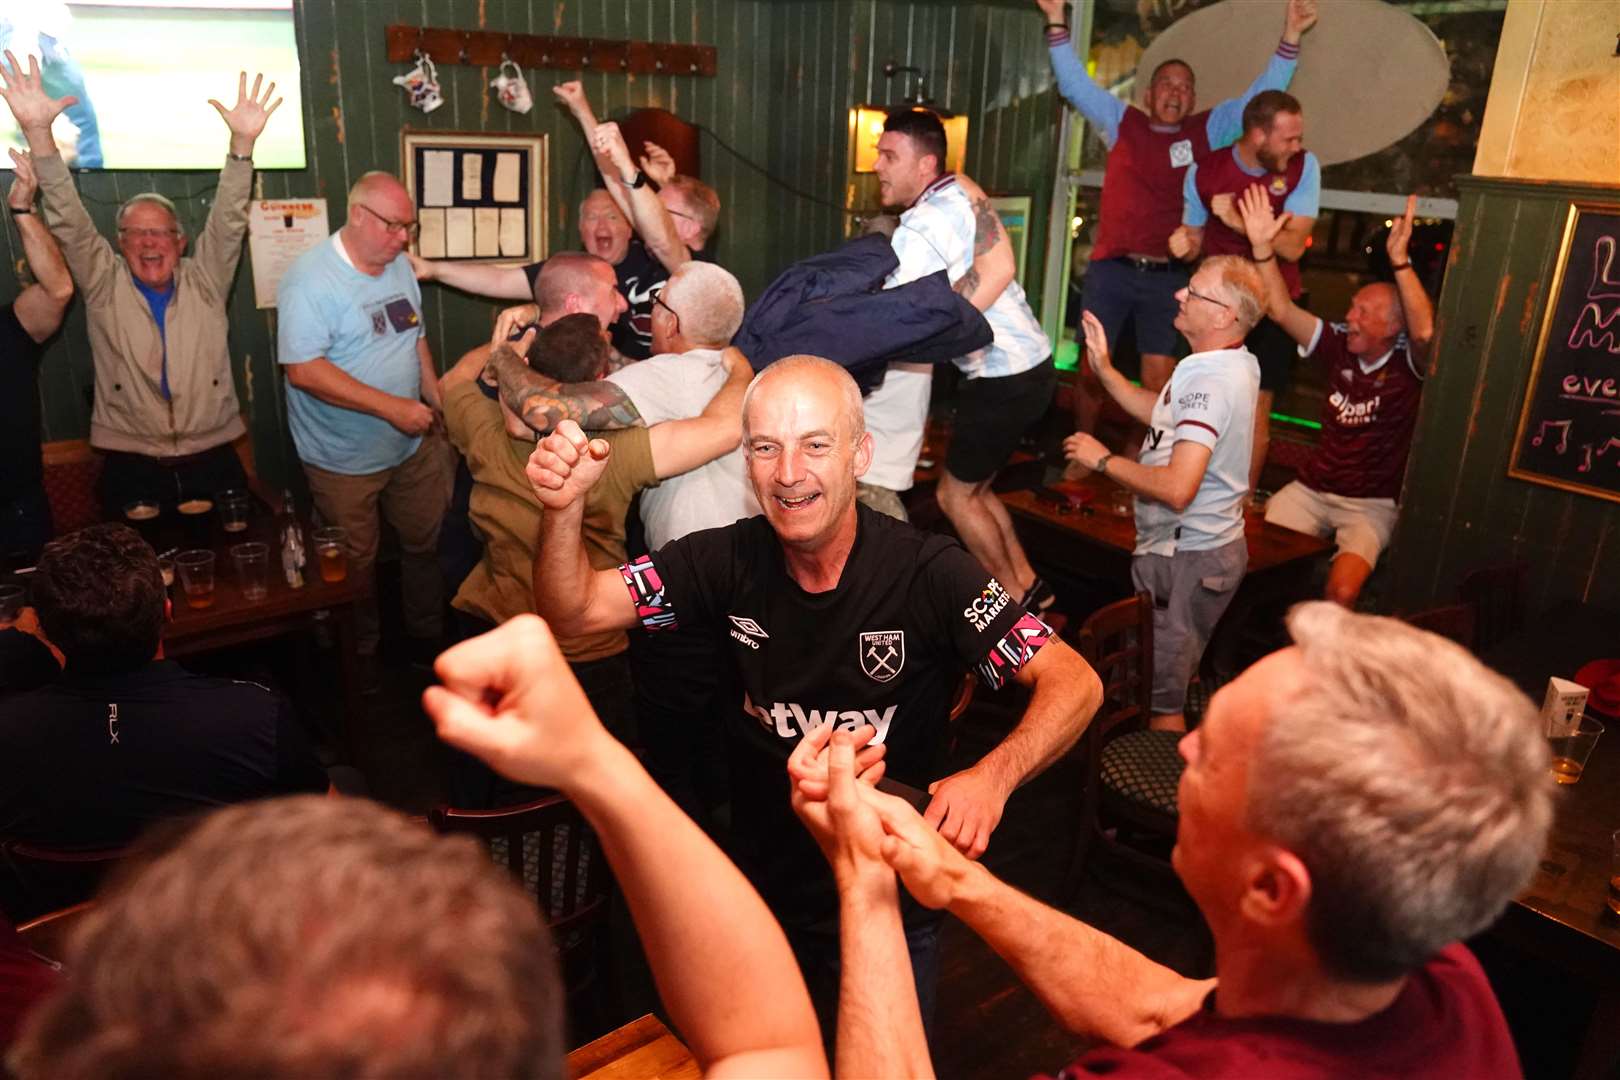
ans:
(677, 386)
(1210, 400)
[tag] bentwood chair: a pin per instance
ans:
(553, 854)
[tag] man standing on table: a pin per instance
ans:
(362, 400)
(1132, 277)
(836, 614)
(1374, 358)
(1269, 153)
(1191, 478)
(165, 411)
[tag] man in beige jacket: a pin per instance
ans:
(165, 402)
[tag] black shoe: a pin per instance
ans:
(1040, 597)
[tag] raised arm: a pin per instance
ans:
(1064, 695)
(682, 445)
(568, 594)
(479, 279)
(723, 966)
(648, 214)
(219, 247)
(1135, 400)
(543, 402)
(572, 96)
(1416, 308)
(39, 307)
(1262, 228)
(1102, 109)
(994, 264)
(1226, 119)
(1174, 484)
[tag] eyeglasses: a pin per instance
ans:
(148, 234)
(409, 228)
(659, 300)
(1196, 295)
(678, 214)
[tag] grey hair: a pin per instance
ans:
(156, 200)
(708, 300)
(1245, 289)
(1412, 782)
(854, 411)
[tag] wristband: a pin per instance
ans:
(1056, 26)
(234, 156)
(639, 182)
(1398, 267)
(1268, 258)
(20, 210)
(1102, 465)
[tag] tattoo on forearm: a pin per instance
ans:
(968, 283)
(543, 403)
(986, 226)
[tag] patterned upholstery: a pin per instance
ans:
(71, 488)
(1143, 767)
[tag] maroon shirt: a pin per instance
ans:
(1367, 420)
(1141, 195)
(1446, 1022)
(1220, 174)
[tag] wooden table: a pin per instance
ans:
(1562, 917)
(643, 1049)
(1096, 541)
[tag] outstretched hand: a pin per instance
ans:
(1052, 9)
(247, 117)
(657, 163)
(609, 140)
(24, 185)
(1260, 224)
(1400, 234)
(1096, 344)
(565, 466)
(831, 794)
(24, 92)
(1300, 17)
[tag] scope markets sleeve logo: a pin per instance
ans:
(987, 605)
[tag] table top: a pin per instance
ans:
(1100, 522)
(643, 1049)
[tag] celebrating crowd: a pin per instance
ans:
(677, 583)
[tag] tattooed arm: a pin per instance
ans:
(544, 403)
(993, 262)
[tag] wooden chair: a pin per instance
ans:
(72, 473)
(1130, 771)
(1454, 622)
(1497, 595)
(36, 880)
(551, 851)
(48, 935)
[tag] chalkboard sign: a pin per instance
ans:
(1569, 430)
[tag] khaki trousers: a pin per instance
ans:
(413, 496)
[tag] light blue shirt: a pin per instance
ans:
(1304, 201)
(1210, 401)
(367, 326)
(1104, 110)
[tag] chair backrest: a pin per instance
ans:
(679, 137)
(1117, 641)
(550, 851)
(1454, 622)
(48, 934)
(72, 472)
(35, 880)
(1497, 594)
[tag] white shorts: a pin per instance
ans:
(1358, 526)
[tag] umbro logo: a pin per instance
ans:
(746, 630)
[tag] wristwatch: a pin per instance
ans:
(20, 209)
(1102, 464)
(639, 182)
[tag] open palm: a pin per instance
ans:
(24, 92)
(248, 116)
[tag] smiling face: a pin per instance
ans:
(1281, 141)
(601, 296)
(150, 240)
(602, 228)
(902, 171)
(1373, 321)
(804, 456)
(1170, 95)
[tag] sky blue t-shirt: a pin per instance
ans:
(367, 326)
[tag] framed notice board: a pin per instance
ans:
(479, 197)
(1569, 429)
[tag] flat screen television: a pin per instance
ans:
(143, 71)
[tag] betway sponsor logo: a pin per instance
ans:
(987, 605)
(789, 719)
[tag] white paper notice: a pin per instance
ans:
(514, 237)
(506, 178)
(279, 231)
(458, 232)
(430, 245)
(472, 177)
(438, 175)
(486, 232)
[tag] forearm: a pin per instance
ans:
(1137, 401)
(563, 578)
(1157, 482)
(482, 279)
(723, 966)
(219, 247)
(1065, 694)
(333, 385)
(430, 375)
(880, 1030)
(656, 228)
(1080, 90)
(1094, 985)
(44, 257)
(1296, 322)
(1416, 307)
(83, 248)
(544, 403)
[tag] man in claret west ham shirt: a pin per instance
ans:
(1374, 361)
(834, 615)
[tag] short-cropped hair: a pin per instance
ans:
(1412, 782)
(1244, 288)
(571, 349)
(567, 273)
(301, 937)
(709, 302)
(99, 595)
(924, 128)
(156, 199)
(700, 200)
(1263, 108)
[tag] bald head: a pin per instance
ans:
(792, 373)
(574, 281)
(1375, 320)
(380, 187)
(382, 221)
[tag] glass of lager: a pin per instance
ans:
(331, 553)
(1569, 752)
(196, 570)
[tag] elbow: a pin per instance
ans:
(61, 292)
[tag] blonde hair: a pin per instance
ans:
(700, 200)
(1244, 288)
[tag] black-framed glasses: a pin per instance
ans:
(409, 228)
(679, 214)
(659, 300)
(149, 234)
(1196, 295)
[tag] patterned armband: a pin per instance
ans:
(1009, 655)
(647, 594)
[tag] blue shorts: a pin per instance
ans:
(1116, 290)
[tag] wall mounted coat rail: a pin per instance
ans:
(483, 48)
